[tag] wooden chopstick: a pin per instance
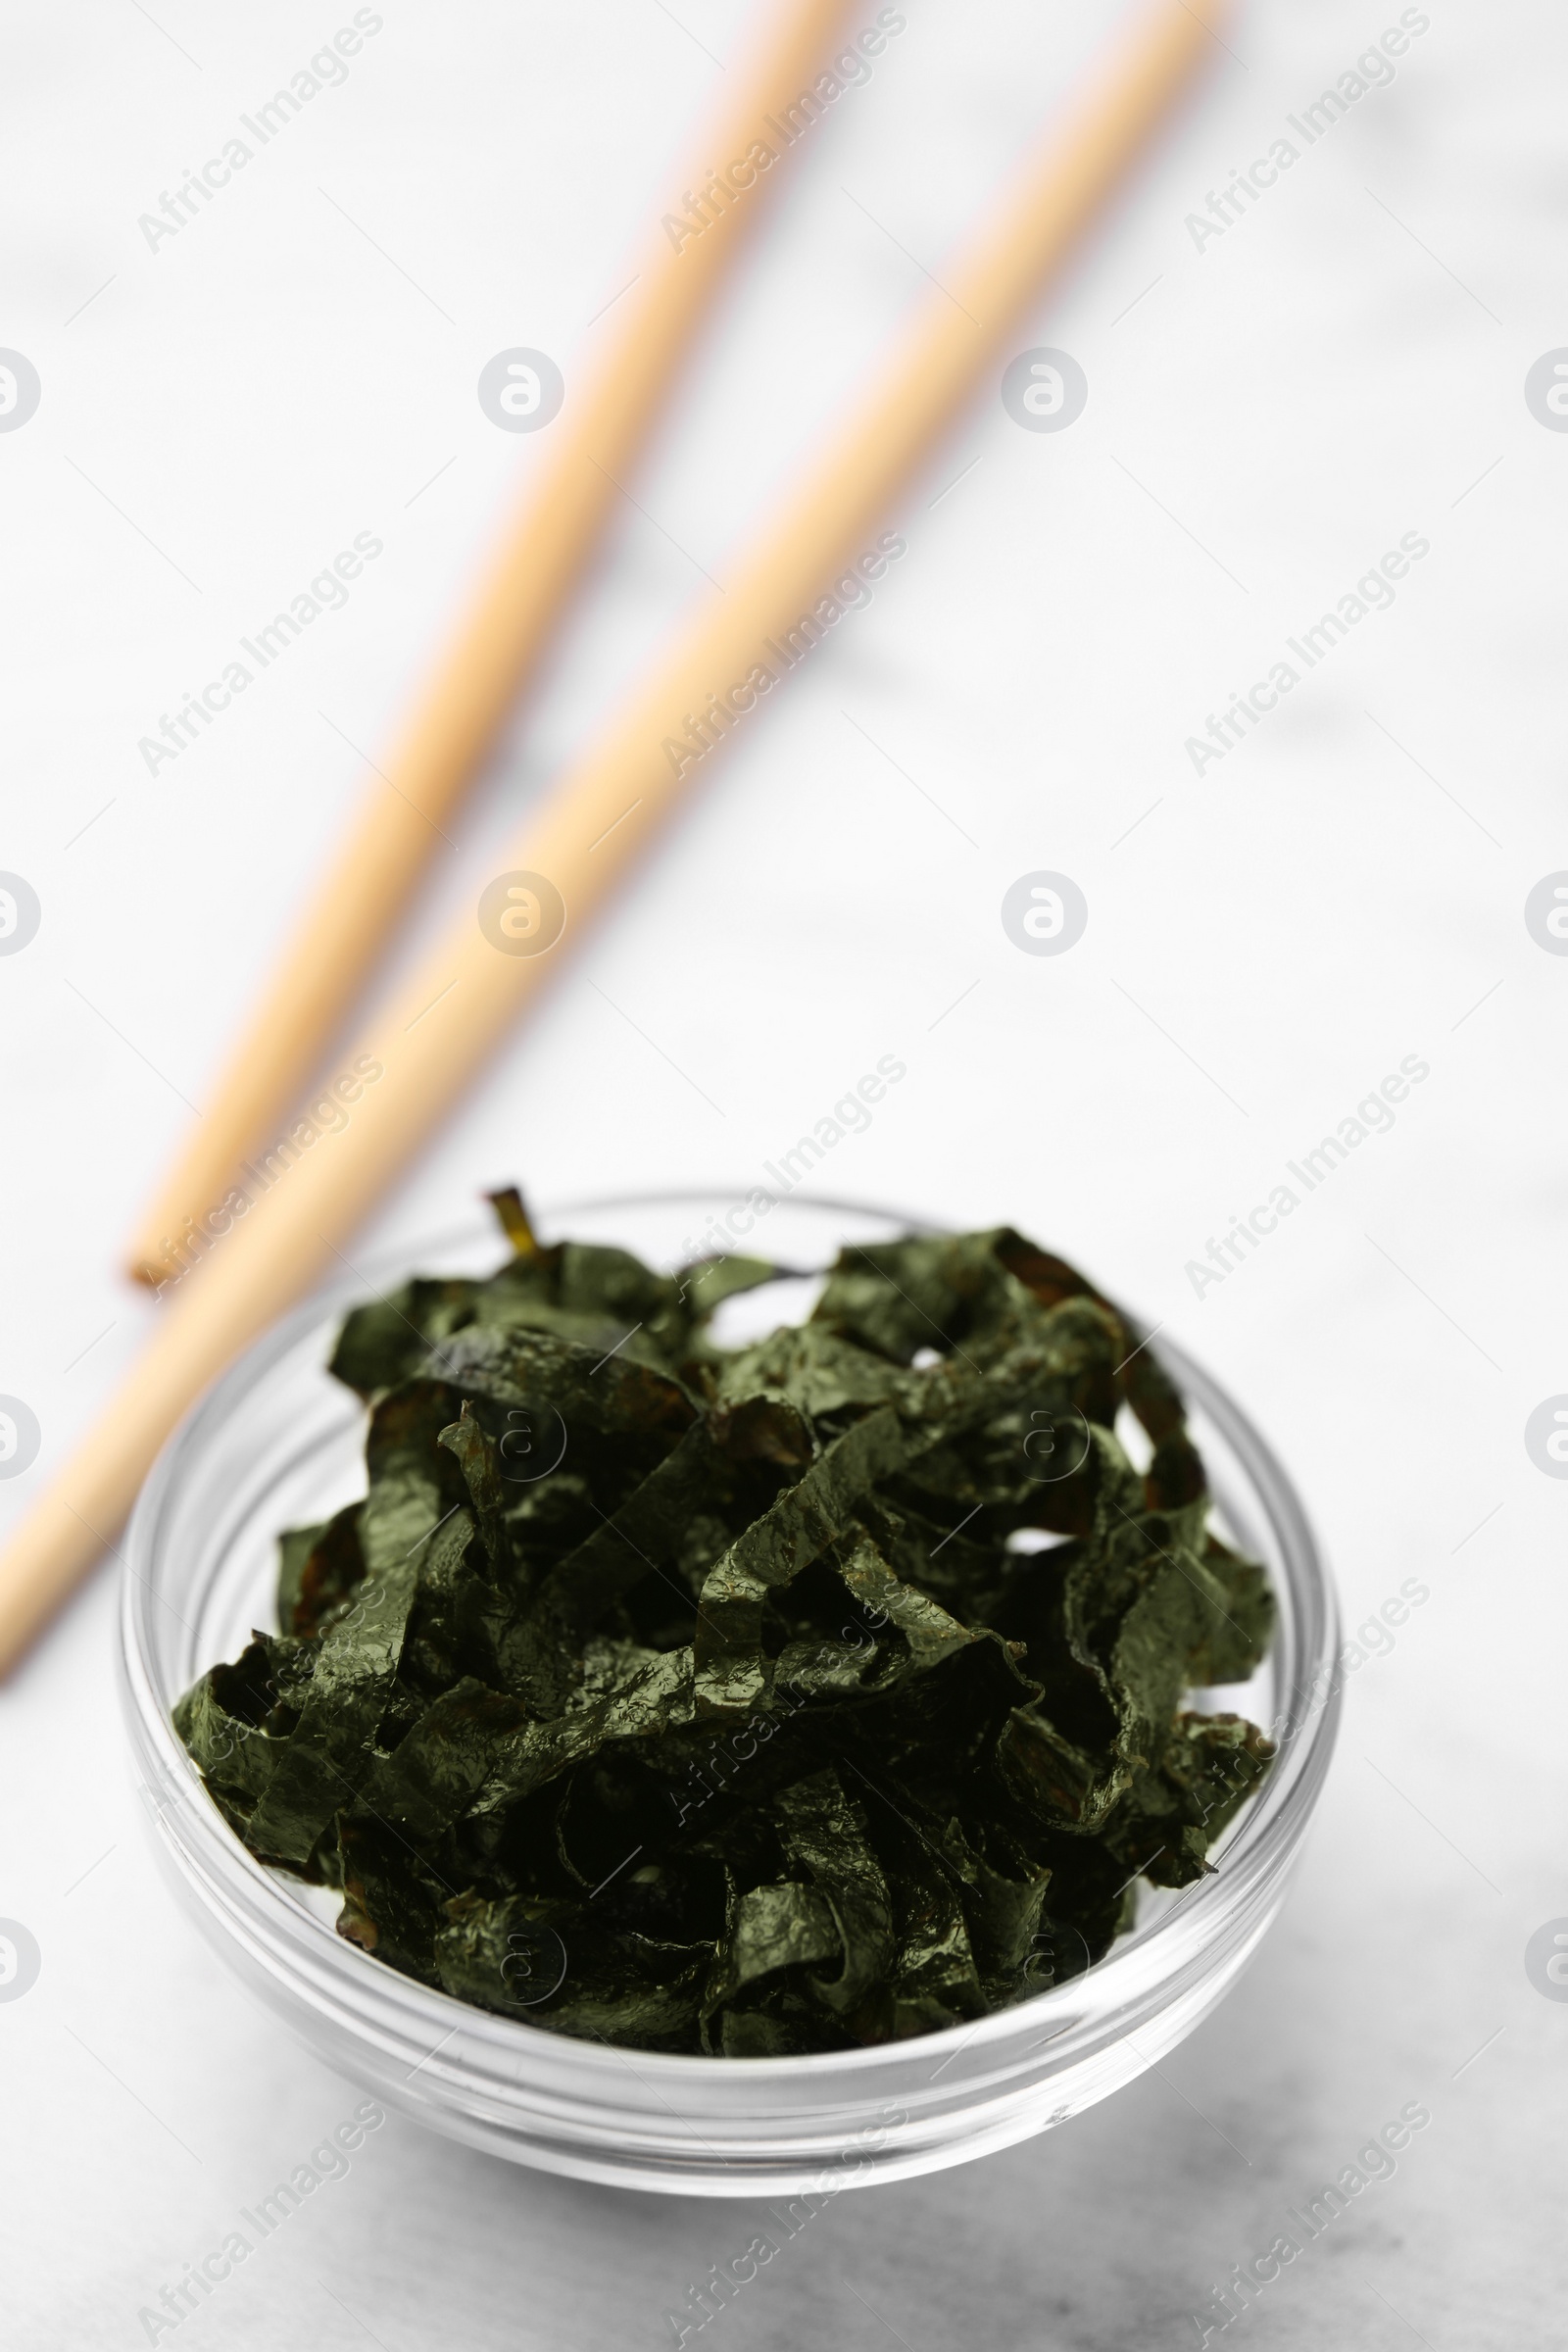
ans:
(354, 912)
(428, 1044)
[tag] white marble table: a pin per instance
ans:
(1271, 410)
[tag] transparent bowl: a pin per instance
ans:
(277, 1442)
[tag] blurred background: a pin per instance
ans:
(1357, 359)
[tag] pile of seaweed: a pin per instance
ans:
(753, 1701)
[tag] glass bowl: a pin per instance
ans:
(277, 1442)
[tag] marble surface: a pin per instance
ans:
(1271, 410)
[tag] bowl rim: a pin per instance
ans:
(1260, 1843)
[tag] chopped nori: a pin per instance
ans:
(753, 1701)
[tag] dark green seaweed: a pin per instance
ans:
(754, 1701)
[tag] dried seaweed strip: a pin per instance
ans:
(535, 1369)
(771, 1929)
(318, 1568)
(441, 1763)
(637, 1538)
(221, 1720)
(933, 1980)
(732, 1671)
(641, 1703)
(825, 1833)
(478, 1458)
(327, 1750)
(1204, 1775)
